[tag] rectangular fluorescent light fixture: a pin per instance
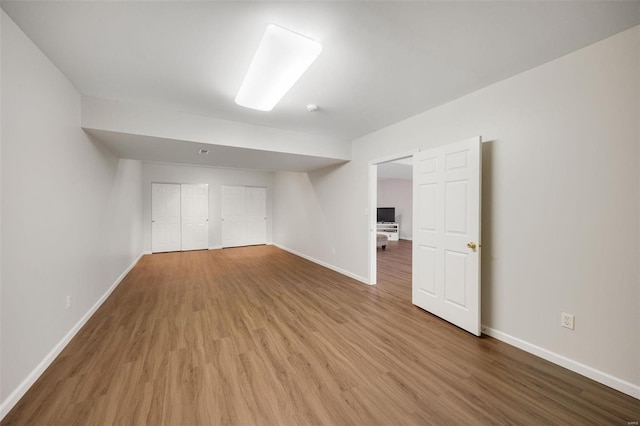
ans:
(281, 59)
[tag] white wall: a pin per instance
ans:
(71, 215)
(159, 122)
(561, 216)
(315, 217)
(398, 193)
(296, 206)
(215, 178)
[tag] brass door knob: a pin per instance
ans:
(471, 245)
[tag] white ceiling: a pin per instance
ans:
(382, 61)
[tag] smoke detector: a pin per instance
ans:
(312, 108)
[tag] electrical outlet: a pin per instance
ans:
(333, 251)
(68, 302)
(567, 321)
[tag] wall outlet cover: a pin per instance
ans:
(567, 321)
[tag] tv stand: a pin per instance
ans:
(390, 229)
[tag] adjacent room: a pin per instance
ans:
(327, 212)
(394, 226)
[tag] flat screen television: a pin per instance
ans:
(386, 214)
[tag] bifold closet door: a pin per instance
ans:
(195, 216)
(233, 226)
(256, 215)
(179, 217)
(165, 217)
(244, 218)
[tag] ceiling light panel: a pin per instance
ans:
(281, 59)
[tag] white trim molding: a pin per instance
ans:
(575, 366)
(23, 387)
(325, 264)
(394, 157)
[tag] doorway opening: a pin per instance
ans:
(391, 223)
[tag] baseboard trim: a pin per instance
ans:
(215, 248)
(325, 264)
(23, 387)
(575, 366)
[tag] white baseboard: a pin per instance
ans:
(23, 387)
(325, 264)
(215, 248)
(584, 370)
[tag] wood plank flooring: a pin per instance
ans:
(258, 336)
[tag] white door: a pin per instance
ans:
(165, 217)
(256, 215)
(233, 222)
(446, 242)
(195, 216)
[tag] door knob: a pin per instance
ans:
(471, 245)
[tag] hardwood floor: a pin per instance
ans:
(394, 269)
(257, 336)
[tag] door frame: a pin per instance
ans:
(373, 205)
